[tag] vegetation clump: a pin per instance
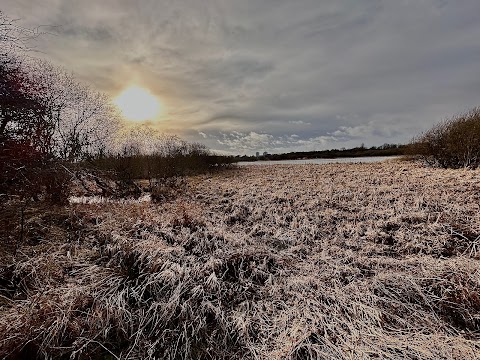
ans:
(453, 143)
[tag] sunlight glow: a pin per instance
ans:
(138, 104)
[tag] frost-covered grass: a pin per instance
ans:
(338, 261)
(96, 199)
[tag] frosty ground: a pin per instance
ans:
(337, 261)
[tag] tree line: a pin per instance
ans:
(383, 150)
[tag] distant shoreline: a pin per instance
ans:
(374, 151)
(319, 161)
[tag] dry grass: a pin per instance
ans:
(357, 261)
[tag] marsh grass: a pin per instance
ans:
(297, 262)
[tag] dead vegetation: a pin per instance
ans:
(452, 143)
(295, 262)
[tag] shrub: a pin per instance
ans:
(182, 160)
(453, 143)
(26, 173)
(166, 189)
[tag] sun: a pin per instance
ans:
(138, 104)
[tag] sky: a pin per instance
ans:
(242, 76)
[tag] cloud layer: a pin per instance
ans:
(274, 75)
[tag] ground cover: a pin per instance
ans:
(337, 261)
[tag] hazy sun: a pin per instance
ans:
(138, 104)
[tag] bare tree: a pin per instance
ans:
(13, 37)
(82, 121)
(145, 140)
(87, 124)
(23, 114)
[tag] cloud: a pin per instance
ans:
(299, 122)
(250, 141)
(331, 73)
(238, 142)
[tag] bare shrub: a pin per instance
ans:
(156, 157)
(453, 143)
(30, 174)
(165, 189)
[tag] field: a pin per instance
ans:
(337, 261)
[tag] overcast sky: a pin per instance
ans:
(274, 75)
